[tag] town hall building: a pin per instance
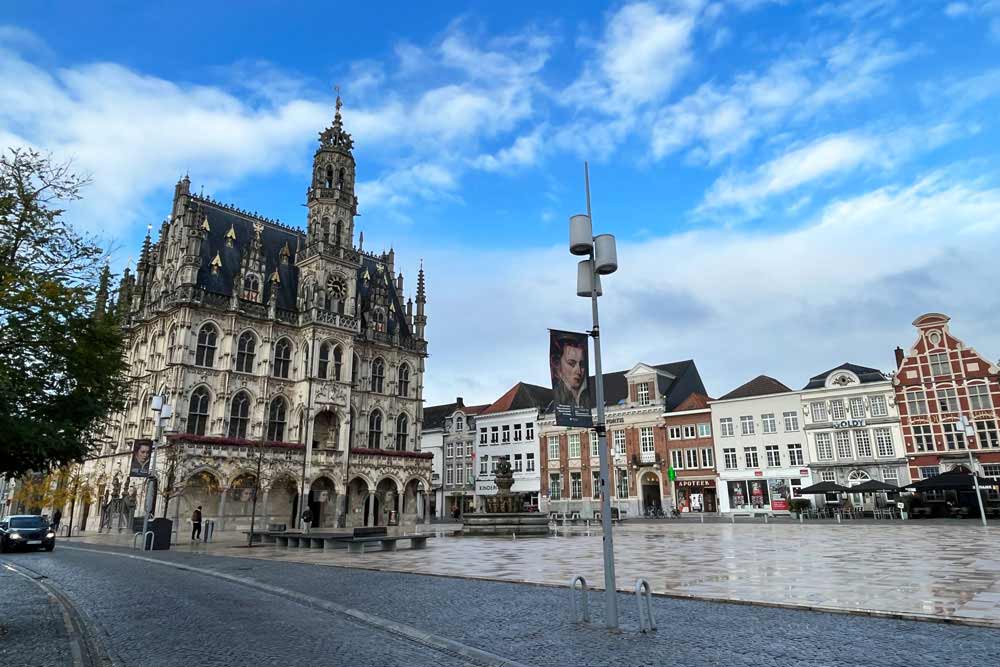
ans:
(290, 352)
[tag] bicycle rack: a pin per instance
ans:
(149, 536)
(646, 621)
(579, 617)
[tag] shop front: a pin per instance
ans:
(762, 493)
(696, 495)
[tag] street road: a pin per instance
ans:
(152, 613)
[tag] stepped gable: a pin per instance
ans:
(762, 385)
(521, 396)
(864, 373)
(274, 236)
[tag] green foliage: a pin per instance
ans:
(799, 504)
(61, 355)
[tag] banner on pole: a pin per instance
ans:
(569, 367)
(142, 451)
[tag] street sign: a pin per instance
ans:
(671, 473)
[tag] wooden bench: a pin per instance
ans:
(356, 545)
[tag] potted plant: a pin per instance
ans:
(799, 505)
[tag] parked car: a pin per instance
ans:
(26, 531)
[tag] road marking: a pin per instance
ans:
(85, 649)
(428, 639)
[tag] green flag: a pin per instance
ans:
(671, 473)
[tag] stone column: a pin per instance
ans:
(427, 508)
(221, 521)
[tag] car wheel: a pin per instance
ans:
(50, 547)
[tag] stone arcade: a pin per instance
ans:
(297, 348)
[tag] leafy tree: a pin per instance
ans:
(61, 349)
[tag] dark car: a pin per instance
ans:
(26, 531)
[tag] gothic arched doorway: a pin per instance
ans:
(651, 499)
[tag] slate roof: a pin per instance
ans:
(762, 385)
(273, 237)
(521, 396)
(373, 286)
(675, 391)
(434, 415)
(864, 373)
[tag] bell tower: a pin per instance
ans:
(331, 201)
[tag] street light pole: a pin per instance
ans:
(602, 259)
(970, 432)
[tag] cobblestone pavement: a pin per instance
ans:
(940, 570)
(156, 616)
(32, 631)
(528, 623)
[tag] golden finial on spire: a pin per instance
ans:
(216, 263)
(275, 278)
(230, 236)
(204, 224)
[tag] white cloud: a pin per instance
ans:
(525, 151)
(643, 53)
(715, 121)
(842, 287)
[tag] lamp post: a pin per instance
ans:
(970, 432)
(602, 259)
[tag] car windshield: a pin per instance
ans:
(28, 522)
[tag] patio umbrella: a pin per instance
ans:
(953, 480)
(874, 486)
(825, 487)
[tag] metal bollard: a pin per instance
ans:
(838, 517)
(765, 518)
(646, 621)
(800, 518)
(732, 518)
(703, 517)
(577, 616)
(208, 530)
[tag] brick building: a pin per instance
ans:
(937, 381)
(690, 452)
(635, 403)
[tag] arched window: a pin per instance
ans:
(338, 359)
(282, 358)
(324, 359)
(246, 350)
(355, 369)
(207, 337)
(375, 430)
(239, 415)
(329, 176)
(325, 229)
(404, 380)
(339, 230)
(402, 431)
(276, 420)
(198, 412)
(171, 341)
(340, 178)
(378, 375)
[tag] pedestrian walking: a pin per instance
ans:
(56, 518)
(196, 524)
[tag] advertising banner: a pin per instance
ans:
(142, 452)
(738, 495)
(779, 493)
(758, 493)
(569, 367)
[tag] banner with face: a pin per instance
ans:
(570, 370)
(142, 452)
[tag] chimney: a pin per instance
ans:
(459, 403)
(899, 357)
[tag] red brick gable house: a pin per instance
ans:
(939, 380)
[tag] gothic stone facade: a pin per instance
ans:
(291, 350)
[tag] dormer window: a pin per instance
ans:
(642, 393)
(251, 288)
(459, 423)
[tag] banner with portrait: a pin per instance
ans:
(142, 454)
(570, 370)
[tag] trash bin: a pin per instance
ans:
(208, 527)
(162, 529)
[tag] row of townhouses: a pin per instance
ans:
(752, 449)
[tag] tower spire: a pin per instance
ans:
(420, 320)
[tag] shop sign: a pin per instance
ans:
(620, 419)
(803, 472)
(849, 423)
(696, 482)
(758, 473)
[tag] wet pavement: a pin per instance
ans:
(939, 571)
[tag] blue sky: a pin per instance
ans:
(791, 184)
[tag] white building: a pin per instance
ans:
(508, 429)
(760, 447)
(432, 441)
(451, 438)
(852, 429)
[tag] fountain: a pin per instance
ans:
(504, 515)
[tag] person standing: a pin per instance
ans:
(196, 524)
(56, 518)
